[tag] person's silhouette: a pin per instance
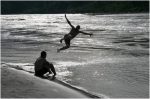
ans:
(42, 66)
(72, 34)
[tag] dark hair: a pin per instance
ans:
(78, 27)
(43, 54)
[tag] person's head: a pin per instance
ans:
(43, 54)
(78, 27)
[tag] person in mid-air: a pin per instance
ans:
(72, 34)
(42, 66)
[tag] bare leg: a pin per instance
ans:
(61, 40)
(67, 42)
(63, 48)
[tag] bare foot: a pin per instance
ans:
(61, 41)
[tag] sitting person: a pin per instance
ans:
(42, 66)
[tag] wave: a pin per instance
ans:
(122, 50)
(20, 66)
(129, 50)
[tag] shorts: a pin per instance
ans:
(67, 39)
(41, 72)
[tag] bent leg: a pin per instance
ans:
(61, 40)
(41, 72)
(67, 42)
(65, 47)
(65, 36)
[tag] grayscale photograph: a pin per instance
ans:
(75, 49)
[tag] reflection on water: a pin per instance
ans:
(114, 61)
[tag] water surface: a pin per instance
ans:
(113, 62)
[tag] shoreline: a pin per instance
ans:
(78, 13)
(17, 83)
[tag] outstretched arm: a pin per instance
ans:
(53, 69)
(69, 21)
(85, 33)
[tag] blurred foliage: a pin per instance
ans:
(41, 7)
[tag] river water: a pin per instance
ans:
(113, 62)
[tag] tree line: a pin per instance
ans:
(51, 7)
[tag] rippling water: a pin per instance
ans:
(113, 62)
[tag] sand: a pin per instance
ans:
(20, 84)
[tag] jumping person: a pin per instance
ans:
(42, 66)
(72, 34)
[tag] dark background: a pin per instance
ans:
(45, 7)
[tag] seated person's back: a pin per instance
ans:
(42, 66)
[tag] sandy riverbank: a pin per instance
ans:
(21, 84)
